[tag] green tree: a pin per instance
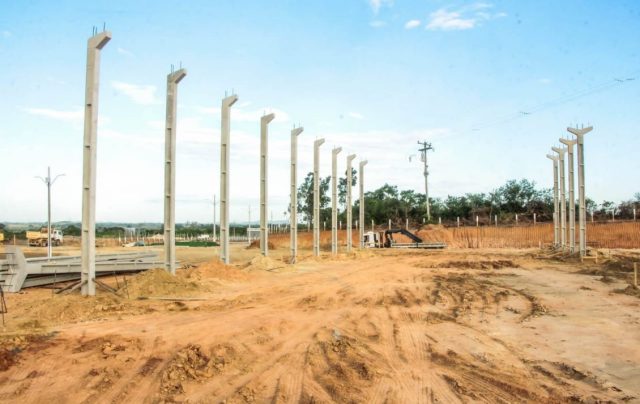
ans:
(305, 197)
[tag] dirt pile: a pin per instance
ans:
(256, 244)
(436, 233)
(470, 264)
(158, 283)
(262, 263)
(214, 270)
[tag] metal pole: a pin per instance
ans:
(173, 79)
(316, 196)
(572, 198)
(88, 244)
(556, 201)
(264, 152)
(361, 205)
(49, 183)
(425, 148)
(563, 198)
(225, 156)
(579, 133)
(334, 199)
(349, 200)
(293, 217)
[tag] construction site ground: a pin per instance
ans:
(380, 326)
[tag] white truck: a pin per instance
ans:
(41, 239)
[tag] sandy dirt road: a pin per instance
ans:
(394, 327)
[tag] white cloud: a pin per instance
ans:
(6, 34)
(377, 24)
(140, 94)
(465, 18)
(377, 4)
(244, 115)
(412, 24)
(125, 52)
(356, 115)
(73, 116)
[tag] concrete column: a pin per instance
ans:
(334, 200)
(563, 198)
(361, 204)
(173, 79)
(225, 156)
(572, 198)
(349, 201)
(293, 217)
(316, 196)
(89, 156)
(264, 151)
(556, 201)
(579, 133)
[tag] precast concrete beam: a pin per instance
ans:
(579, 134)
(556, 226)
(264, 151)
(572, 198)
(563, 197)
(293, 196)
(334, 199)
(350, 159)
(173, 79)
(89, 157)
(361, 204)
(225, 157)
(316, 196)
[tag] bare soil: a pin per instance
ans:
(464, 325)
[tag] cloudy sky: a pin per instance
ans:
(491, 84)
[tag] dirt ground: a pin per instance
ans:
(461, 325)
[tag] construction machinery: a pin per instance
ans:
(41, 239)
(384, 239)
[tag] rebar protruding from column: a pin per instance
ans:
(264, 151)
(349, 201)
(89, 156)
(225, 157)
(556, 201)
(361, 204)
(334, 199)
(293, 196)
(579, 134)
(563, 197)
(572, 198)
(316, 196)
(173, 79)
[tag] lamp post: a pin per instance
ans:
(49, 182)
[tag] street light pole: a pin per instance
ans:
(49, 182)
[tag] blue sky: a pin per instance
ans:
(372, 76)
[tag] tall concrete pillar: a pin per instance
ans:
(572, 198)
(316, 196)
(579, 134)
(227, 103)
(334, 200)
(563, 198)
(361, 204)
(556, 227)
(89, 156)
(173, 79)
(293, 217)
(264, 151)
(349, 201)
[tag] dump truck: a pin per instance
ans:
(384, 239)
(41, 239)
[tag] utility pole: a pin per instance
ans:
(334, 199)
(316, 196)
(89, 157)
(49, 182)
(572, 198)
(349, 200)
(173, 79)
(293, 196)
(225, 156)
(579, 134)
(556, 201)
(361, 204)
(264, 152)
(563, 198)
(423, 150)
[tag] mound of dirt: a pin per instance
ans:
(629, 290)
(256, 244)
(158, 282)
(214, 270)
(436, 233)
(470, 264)
(262, 263)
